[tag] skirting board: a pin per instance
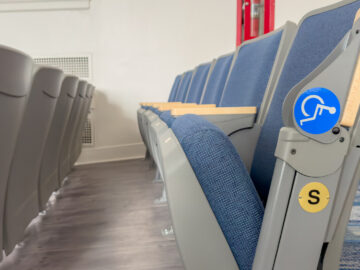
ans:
(111, 153)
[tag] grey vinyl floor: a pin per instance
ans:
(104, 218)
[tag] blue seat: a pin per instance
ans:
(217, 79)
(175, 88)
(184, 87)
(181, 91)
(197, 85)
(250, 73)
(195, 91)
(173, 91)
(215, 161)
(226, 183)
(248, 78)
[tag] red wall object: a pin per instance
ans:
(251, 20)
(247, 19)
(239, 23)
(269, 16)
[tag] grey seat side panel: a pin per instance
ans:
(199, 237)
(16, 70)
(140, 111)
(21, 204)
(10, 108)
(72, 132)
(49, 167)
(66, 139)
(78, 146)
(78, 130)
(64, 158)
(148, 118)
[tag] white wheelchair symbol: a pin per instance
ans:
(318, 111)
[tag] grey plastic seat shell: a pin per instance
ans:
(64, 163)
(48, 180)
(16, 69)
(76, 141)
(75, 130)
(78, 148)
(22, 203)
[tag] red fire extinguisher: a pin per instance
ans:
(254, 18)
(251, 18)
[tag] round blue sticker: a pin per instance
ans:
(317, 110)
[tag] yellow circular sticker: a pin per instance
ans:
(314, 197)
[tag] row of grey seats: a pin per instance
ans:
(264, 175)
(42, 115)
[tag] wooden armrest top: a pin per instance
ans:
(166, 107)
(213, 111)
(353, 99)
(357, 16)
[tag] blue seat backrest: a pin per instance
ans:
(217, 79)
(197, 84)
(251, 71)
(175, 88)
(184, 86)
(317, 36)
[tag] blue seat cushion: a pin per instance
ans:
(155, 110)
(225, 182)
(167, 118)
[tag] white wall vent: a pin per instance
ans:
(79, 66)
(72, 65)
(87, 138)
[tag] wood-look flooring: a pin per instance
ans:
(104, 218)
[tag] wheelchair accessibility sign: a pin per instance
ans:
(317, 110)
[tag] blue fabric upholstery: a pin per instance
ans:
(167, 118)
(184, 87)
(174, 88)
(197, 84)
(350, 259)
(155, 110)
(250, 74)
(225, 182)
(217, 79)
(317, 36)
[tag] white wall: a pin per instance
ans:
(294, 10)
(138, 46)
